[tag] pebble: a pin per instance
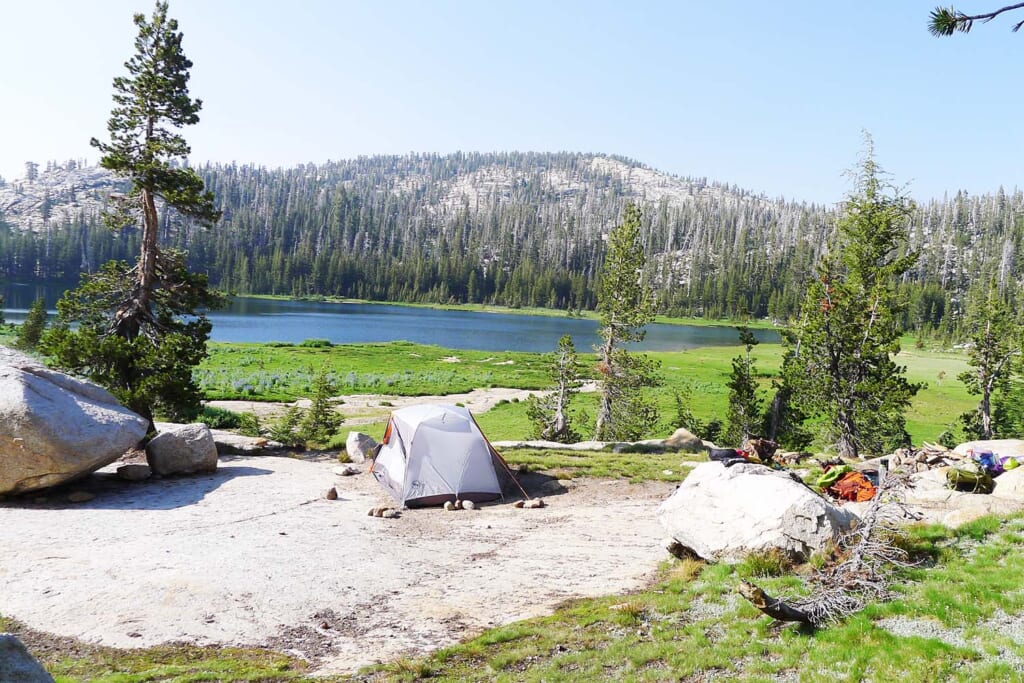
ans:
(391, 513)
(468, 505)
(331, 493)
(448, 505)
(80, 496)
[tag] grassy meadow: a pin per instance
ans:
(284, 372)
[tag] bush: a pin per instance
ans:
(220, 418)
(316, 343)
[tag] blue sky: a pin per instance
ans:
(771, 97)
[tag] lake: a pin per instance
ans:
(264, 320)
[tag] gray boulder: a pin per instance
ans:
(725, 513)
(182, 449)
(55, 427)
(684, 440)
(359, 446)
(16, 664)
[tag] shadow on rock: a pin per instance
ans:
(104, 491)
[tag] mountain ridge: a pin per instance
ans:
(519, 228)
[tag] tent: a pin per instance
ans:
(435, 453)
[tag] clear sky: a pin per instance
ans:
(769, 96)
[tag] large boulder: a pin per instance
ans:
(16, 664)
(182, 449)
(56, 427)
(725, 513)
(684, 440)
(359, 446)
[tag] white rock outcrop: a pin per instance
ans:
(182, 449)
(54, 428)
(359, 446)
(684, 440)
(725, 513)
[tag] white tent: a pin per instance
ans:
(434, 453)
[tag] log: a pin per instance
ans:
(773, 607)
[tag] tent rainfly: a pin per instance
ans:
(435, 453)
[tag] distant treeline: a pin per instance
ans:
(525, 229)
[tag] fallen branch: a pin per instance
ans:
(858, 571)
(773, 607)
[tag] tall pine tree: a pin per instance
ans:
(137, 331)
(841, 365)
(625, 305)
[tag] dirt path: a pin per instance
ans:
(369, 408)
(252, 554)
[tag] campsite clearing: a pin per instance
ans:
(252, 554)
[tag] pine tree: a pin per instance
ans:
(995, 339)
(138, 332)
(625, 306)
(321, 422)
(841, 366)
(30, 331)
(550, 413)
(744, 415)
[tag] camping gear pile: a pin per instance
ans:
(845, 483)
(973, 472)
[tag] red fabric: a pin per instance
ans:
(853, 486)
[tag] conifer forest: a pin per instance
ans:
(514, 229)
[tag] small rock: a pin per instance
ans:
(80, 496)
(134, 472)
(346, 471)
(369, 513)
(448, 505)
(667, 473)
(379, 512)
(534, 503)
(519, 503)
(391, 513)
(458, 504)
(331, 494)
(468, 505)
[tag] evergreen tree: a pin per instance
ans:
(841, 366)
(995, 338)
(30, 331)
(137, 331)
(550, 413)
(945, 21)
(625, 306)
(744, 415)
(2, 321)
(321, 422)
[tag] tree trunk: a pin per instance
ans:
(985, 408)
(604, 410)
(847, 445)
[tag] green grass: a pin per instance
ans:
(284, 372)
(691, 624)
(635, 467)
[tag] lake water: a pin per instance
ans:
(264, 320)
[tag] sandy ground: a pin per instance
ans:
(368, 408)
(253, 554)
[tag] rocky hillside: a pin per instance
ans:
(511, 228)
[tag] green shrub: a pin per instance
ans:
(220, 418)
(316, 343)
